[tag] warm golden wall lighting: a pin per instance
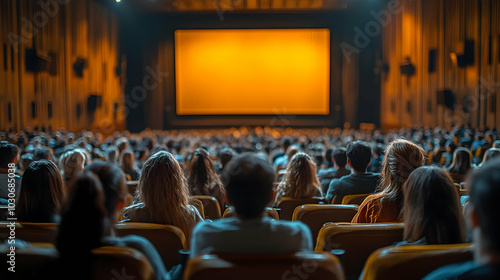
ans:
(252, 71)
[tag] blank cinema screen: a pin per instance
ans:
(252, 71)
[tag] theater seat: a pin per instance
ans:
(199, 206)
(37, 232)
(271, 212)
(132, 186)
(5, 231)
(167, 239)
(211, 206)
(358, 241)
(413, 262)
(4, 211)
(288, 205)
(316, 215)
(309, 266)
(354, 198)
(42, 259)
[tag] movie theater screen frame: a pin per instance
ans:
(252, 71)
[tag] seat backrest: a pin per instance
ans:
(288, 205)
(4, 212)
(167, 239)
(211, 206)
(271, 212)
(132, 186)
(246, 267)
(37, 232)
(413, 261)
(358, 241)
(120, 263)
(5, 229)
(316, 215)
(199, 206)
(33, 261)
(354, 198)
(29, 260)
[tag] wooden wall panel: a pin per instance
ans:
(424, 25)
(70, 30)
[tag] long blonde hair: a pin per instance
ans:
(163, 193)
(401, 158)
(300, 179)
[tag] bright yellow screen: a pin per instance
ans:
(252, 71)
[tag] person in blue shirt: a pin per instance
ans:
(249, 185)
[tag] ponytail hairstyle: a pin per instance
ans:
(91, 209)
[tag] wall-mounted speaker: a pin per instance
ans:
(53, 64)
(33, 109)
(446, 98)
(407, 68)
(9, 111)
(36, 61)
(408, 107)
(493, 103)
(464, 54)
(432, 63)
(78, 111)
(94, 101)
(78, 66)
(49, 109)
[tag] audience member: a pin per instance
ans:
(460, 165)
(402, 157)
(9, 157)
(87, 221)
(338, 170)
(42, 193)
(282, 161)
(300, 180)
(491, 153)
(163, 196)
(432, 212)
(484, 191)
(359, 181)
(203, 179)
(72, 164)
(127, 163)
(249, 184)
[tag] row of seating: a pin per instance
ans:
(358, 241)
(393, 262)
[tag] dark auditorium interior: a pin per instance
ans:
(249, 139)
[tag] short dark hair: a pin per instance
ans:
(484, 193)
(249, 182)
(8, 152)
(42, 154)
(360, 154)
(340, 156)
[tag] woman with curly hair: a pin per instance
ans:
(300, 179)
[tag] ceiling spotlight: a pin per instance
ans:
(118, 1)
